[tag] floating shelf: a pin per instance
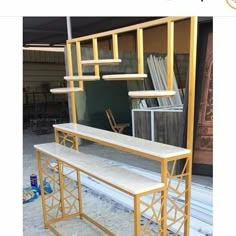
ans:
(125, 77)
(151, 93)
(101, 62)
(82, 78)
(65, 90)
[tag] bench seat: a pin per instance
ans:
(101, 169)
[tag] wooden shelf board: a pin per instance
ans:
(125, 77)
(101, 62)
(151, 93)
(65, 90)
(82, 78)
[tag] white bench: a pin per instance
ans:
(102, 169)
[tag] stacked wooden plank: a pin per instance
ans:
(158, 69)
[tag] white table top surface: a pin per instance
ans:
(124, 142)
(104, 169)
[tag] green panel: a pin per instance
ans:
(101, 95)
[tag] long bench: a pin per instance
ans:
(66, 201)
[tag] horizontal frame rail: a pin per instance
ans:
(144, 25)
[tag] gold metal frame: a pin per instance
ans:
(65, 202)
(67, 139)
(175, 202)
(171, 211)
(177, 197)
(169, 21)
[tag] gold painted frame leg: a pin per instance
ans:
(62, 187)
(188, 181)
(164, 193)
(76, 143)
(38, 156)
(56, 135)
(80, 195)
(190, 115)
(137, 215)
(62, 203)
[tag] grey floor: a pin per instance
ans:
(107, 211)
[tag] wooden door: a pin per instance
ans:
(203, 140)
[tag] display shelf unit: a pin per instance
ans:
(178, 211)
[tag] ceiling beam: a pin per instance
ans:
(40, 31)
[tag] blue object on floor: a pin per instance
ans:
(47, 187)
(29, 194)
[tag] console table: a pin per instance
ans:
(175, 209)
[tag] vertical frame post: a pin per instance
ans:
(38, 156)
(152, 126)
(79, 194)
(76, 143)
(136, 215)
(79, 65)
(61, 181)
(188, 194)
(95, 55)
(71, 83)
(170, 55)
(140, 51)
(164, 193)
(115, 46)
(191, 83)
(190, 115)
(56, 134)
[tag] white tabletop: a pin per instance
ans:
(146, 148)
(101, 168)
